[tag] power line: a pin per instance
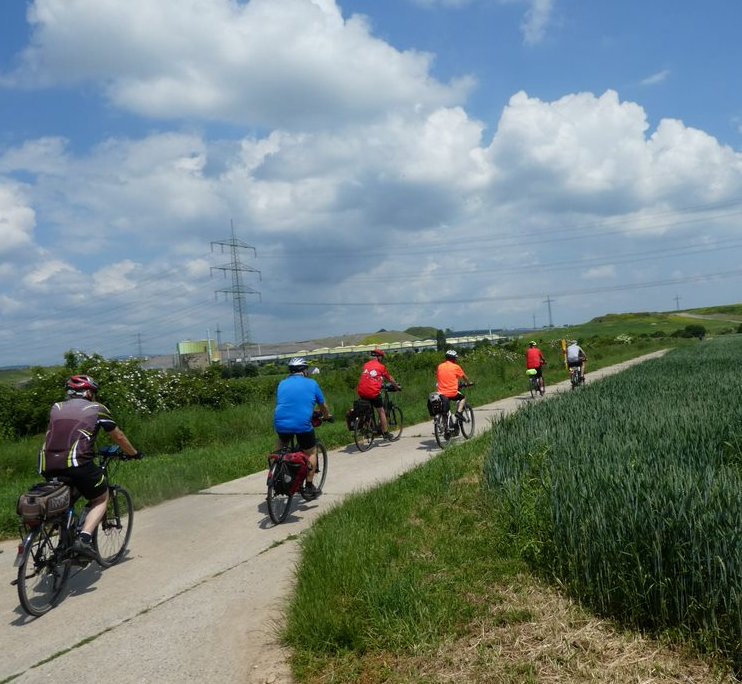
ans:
(566, 293)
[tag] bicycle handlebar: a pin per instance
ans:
(318, 419)
(112, 453)
(389, 387)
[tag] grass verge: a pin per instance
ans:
(418, 581)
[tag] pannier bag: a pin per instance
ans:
(437, 403)
(362, 407)
(44, 500)
(350, 418)
(290, 473)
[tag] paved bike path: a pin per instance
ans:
(199, 596)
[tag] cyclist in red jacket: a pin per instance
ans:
(370, 385)
(535, 359)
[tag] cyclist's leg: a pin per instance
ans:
(383, 422)
(90, 481)
(307, 442)
(461, 403)
(377, 403)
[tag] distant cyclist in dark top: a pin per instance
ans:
(296, 398)
(370, 385)
(69, 450)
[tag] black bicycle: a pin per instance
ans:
(534, 383)
(287, 472)
(46, 556)
(447, 425)
(576, 376)
(366, 426)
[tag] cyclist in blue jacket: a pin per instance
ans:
(296, 398)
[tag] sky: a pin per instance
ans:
(380, 164)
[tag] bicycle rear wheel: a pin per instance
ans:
(394, 420)
(278, 500)
(533, 389)
(440, 429)
(112, 535)
(363, 432)
(43, 573)
(467, 424)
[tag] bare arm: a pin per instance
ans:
(118, 436)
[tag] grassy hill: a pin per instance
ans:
(648, 323)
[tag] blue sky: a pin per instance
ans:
(451, 163)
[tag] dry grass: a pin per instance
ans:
(533, 634)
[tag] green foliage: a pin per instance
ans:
(440, 340)
(693, 330)
(628, 492)
(422, 333)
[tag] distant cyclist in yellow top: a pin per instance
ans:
(449, 373)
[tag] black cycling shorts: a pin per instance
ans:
(457, 397)
(304, 440)
(574, 364)
(376, 402)
(88, 479)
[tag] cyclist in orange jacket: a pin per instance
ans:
(449, 373)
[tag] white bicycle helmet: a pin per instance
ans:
(452, 354)
(298, 364)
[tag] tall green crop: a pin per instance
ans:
(629, 492)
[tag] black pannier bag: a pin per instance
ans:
(362, 407)
(437, 403)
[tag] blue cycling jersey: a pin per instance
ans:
(296, 398)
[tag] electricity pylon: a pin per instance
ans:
(237, 290)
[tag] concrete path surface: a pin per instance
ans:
(200, 593)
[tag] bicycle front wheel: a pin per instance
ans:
(363, 433)
(42, 573)
(394, 420)
(321, 475)
(112, 535)
(467, 424)
(441, 431)
(278, 498)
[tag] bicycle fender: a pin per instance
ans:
(21, 550)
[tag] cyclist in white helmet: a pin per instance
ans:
(449, 373)
(296, 398)
(576, 357)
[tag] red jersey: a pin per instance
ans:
(534, 358)
(372, 378)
